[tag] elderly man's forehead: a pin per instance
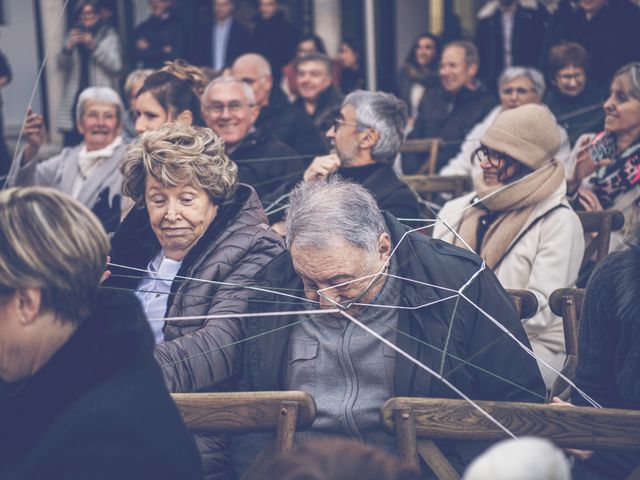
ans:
(227, 91)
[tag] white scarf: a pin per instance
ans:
(88, 161)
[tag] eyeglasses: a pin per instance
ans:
(250, 81)
(234, 106)
(492, 157)
(516, 90)
(567, 77)
(337, 122)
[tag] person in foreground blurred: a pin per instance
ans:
(193, 227)
(89, 171)
(348, 256)
(525, 458)
(609, 350)
(605, 174)
(520, 221)
(85, 395)
(517, 86)
(338, 459)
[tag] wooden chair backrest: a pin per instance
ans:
(427, 186)
(417, 422)
(428, 146)
(567, 303)
(247, 412)
(601, 223)
(525, 301)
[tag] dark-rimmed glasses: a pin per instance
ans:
(492, 157)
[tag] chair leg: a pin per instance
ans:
(286, 426)
(406, 433)
(437, 461)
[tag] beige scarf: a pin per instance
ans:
(517, 202)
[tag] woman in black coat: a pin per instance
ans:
(84, 396)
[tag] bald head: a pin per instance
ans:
(254, 70)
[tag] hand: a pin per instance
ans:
(88, 40)
(574, 452)
(589, 200)
(585, 165)
(322, 167)
(34, 133)
(107, 273)
(142, 44)
(73, 39)
(278, 227)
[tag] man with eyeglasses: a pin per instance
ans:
(346, 257)
(230, 110)
(278, 118)
(366, 136)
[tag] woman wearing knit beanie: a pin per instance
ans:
(519, 221)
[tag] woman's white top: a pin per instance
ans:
(155, 288)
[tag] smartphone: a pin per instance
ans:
(603, 146)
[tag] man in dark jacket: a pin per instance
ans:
(509, 34)
(450, 112)
(221, 40)
(317, 96)
(366, 137)
(230, 110)
(275, 37)
(357, 263)
(159, 38)
(278, 118)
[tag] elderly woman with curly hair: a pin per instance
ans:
(194, 239)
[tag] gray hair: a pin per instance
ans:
(99, 94)
(262, 64)
(471, 55)
(322, 210)
(533, 75)
(228, 79)
(632, 72)
(387, 115)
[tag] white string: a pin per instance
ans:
(246, 315)
(431, 372)
(14, 165)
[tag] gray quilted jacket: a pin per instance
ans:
(193, 356)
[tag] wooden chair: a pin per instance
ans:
(427, 146)
(525, 301)
(427, 186)
(417, 422)
(567, 303)
(248, 412)
(601, 224)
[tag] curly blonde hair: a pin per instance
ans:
(179, 154)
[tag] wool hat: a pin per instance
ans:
(528, 133)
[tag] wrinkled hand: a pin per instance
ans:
(574, 452)
(34, 134)
(322, 167)
(589, 200)
(585, 165)
(142, 44)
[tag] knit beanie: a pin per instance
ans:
(528, 133)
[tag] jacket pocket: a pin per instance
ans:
(302, 360)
